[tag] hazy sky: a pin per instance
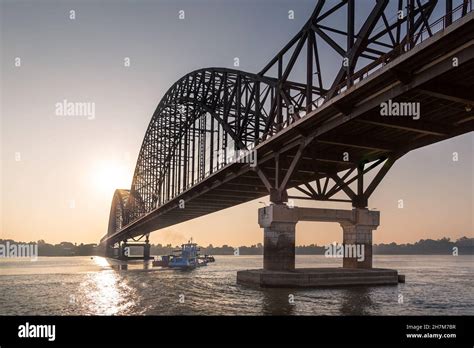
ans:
(59, 172)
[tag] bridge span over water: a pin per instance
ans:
(221, 137)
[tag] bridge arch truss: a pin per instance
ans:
(211, 116)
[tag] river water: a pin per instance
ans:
(435, 285)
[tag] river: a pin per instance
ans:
(435, 285)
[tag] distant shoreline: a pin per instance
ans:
(472, 254)
(443, 246)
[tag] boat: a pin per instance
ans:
(187, 257)
(208, 258)
(163, 262)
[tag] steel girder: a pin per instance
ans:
(118, 212)
(210, 113)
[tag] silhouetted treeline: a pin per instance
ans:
(464, 245)
(443, 246)
(61, 249)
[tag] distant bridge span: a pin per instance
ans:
(315, 132)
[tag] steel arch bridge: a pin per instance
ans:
(209, 123)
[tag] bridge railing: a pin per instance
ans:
(408, 44)
(445, 21)
(427, 32)
(232, 97)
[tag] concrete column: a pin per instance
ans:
(357, 238)
(278, 223)
(109, 250)
(123, 251)
(146, 251)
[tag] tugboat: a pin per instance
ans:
(186, 258)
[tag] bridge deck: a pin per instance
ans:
(351, 123)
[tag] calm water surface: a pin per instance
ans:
(435, 285)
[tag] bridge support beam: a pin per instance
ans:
(146, 249)
(124, 250)
(279, 224)
(109, 250)
(358, 235)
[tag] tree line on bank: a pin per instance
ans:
(443, 246)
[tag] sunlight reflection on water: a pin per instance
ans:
(106, 292)
(100, 286)
(101, 261)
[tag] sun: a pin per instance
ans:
(109, 176)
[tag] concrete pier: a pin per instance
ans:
(279, 227)
(279, 238)
(123, 252)
(317, 277)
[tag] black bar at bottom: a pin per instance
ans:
(416, 330)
